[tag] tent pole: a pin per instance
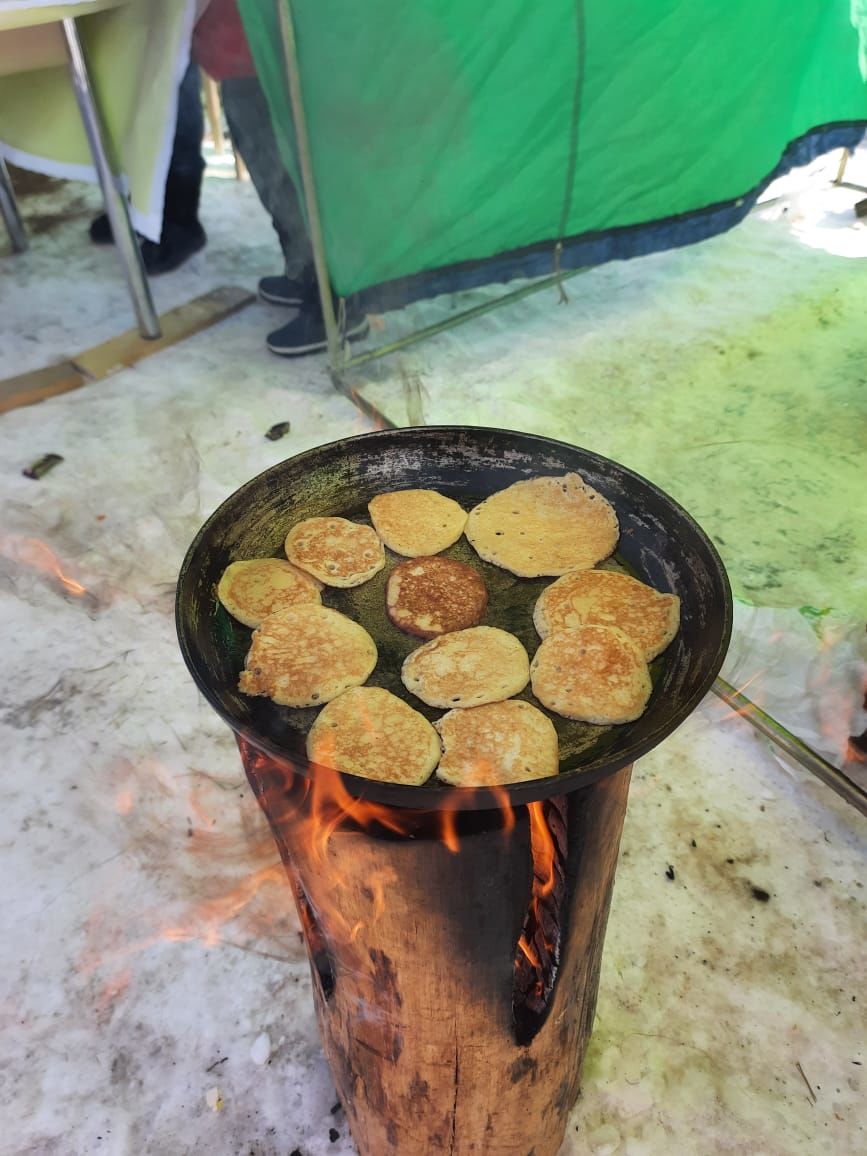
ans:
(290, 58)
(459, 318)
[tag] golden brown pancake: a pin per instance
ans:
(417, 522)
(336, 551)
(431, 596)
(467, 668)
(306, 656)
(543, 526)
(503, 742)
(596, 674)
(374, 734)
(608, 598)
(252, 590)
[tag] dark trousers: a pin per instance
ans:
(184, 180)
(249, 123)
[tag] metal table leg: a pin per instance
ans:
(9, 209)
(115, 204)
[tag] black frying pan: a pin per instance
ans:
(659, 543)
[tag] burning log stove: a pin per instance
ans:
(455, 935)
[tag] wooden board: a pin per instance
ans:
(121, 352)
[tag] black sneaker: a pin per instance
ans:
(290, 291)
(177, 244)
(306, 334)
(100, 230)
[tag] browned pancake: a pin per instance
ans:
(503, 742)
(252, 590)
(467, 668)
(336, 551)
(608, 598)
(373, 733)
(431, 596)
(417, 522)
(306, 656)
(542, 526)
(596, 674)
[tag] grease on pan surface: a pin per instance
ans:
(336, 551)
(467, 668)
(608, 598)
(497, 744)
(252, 590)
(372, 733)
(415, 523)
(306, 656)
(544, 526)
(595, 674)
(431, 596)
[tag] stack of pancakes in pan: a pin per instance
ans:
(599, 628)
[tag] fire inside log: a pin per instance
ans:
(538, 955)
(438, 1037)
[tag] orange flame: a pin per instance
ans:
(318, 805)
(544, 856)
(506, 808)
(527, 950)
(542, 844)
(327, 805)
(234, 906)
(742, 711)
(124, 801)
(38, 556)
(367, 410)
(206, 923)
(449, 833)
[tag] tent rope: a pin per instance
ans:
(580, 69)
(341, 322)
(563, 299)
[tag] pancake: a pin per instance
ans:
(336, 551)
(608, 598)
(307, 655)
(544, 526)
(252, 590)
(497, 744)
(431, 596)
(467, 668)
(595, 674)
(373, 733)
(416, 523)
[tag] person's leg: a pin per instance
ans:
(182, 233)
(250, 128)
(249, 122)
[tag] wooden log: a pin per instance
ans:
(413, 950)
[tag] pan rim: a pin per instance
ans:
(449, 797)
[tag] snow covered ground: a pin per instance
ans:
(155, 995)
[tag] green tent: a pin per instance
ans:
(447, 133)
